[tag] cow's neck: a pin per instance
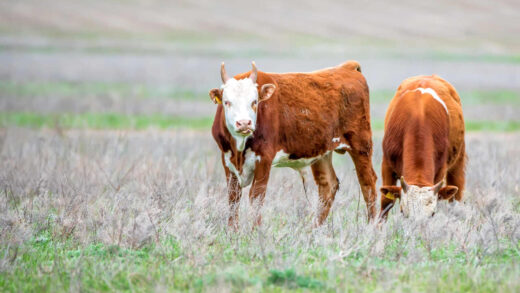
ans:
(240, 142)
(237, 145)
(418, 156)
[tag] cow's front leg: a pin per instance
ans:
(259, 187)
(389, 192)
(234, 195)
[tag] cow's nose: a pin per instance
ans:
(244, 124)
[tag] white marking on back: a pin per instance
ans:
(432, 93)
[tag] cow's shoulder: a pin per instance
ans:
(218, 130)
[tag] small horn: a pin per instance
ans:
(438, 186)
(404, 185)
(254, 72)
(223, 73)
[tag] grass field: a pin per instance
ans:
(140, 122)
(110, 179)
(147, 211)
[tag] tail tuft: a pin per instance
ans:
(353, 65)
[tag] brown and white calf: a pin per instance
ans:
(423, 145)
(293, 120)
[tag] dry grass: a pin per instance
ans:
(143, 191)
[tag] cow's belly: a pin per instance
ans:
(282, 160)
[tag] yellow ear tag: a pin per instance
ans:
(390, 195)
(218, 100)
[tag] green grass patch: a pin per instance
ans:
(103, 121)
(290, 279)
(138, 122)
(85, 89)
(47, 263)
(491, 58)
(499, 126)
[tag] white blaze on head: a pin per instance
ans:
(240, 99)
(417, 202)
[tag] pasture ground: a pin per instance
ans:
(110, 180)
(146, 211)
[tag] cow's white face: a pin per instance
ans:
(240, 101)
(418, 202)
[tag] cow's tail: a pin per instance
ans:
(352, 65)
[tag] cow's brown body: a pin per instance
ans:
(309, 116)
(423, 142)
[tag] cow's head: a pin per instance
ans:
(240, 100)
(418, 201)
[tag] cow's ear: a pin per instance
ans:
(266, 92)
(391, 192)
(216, 96)
(447, 192)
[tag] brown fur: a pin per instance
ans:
(422, 142)
(305, 112)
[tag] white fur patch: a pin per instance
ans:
(237, 100)
(231, 166)
(343, 146)
(335, 139)
(419, 202)
(240, 142)
(432, 93)
(281, 159)
(248, 168)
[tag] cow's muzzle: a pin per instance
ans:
(244, 127)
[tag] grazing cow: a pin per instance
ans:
(423, 145)
(293, 120)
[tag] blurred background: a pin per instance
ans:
(132, 64)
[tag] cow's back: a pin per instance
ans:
(308, 110)
(400, 110)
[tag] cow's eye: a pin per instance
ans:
(227, 103)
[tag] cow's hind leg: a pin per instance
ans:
(328, 185)
(456, 176)
(304, 175)
(361, 154)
